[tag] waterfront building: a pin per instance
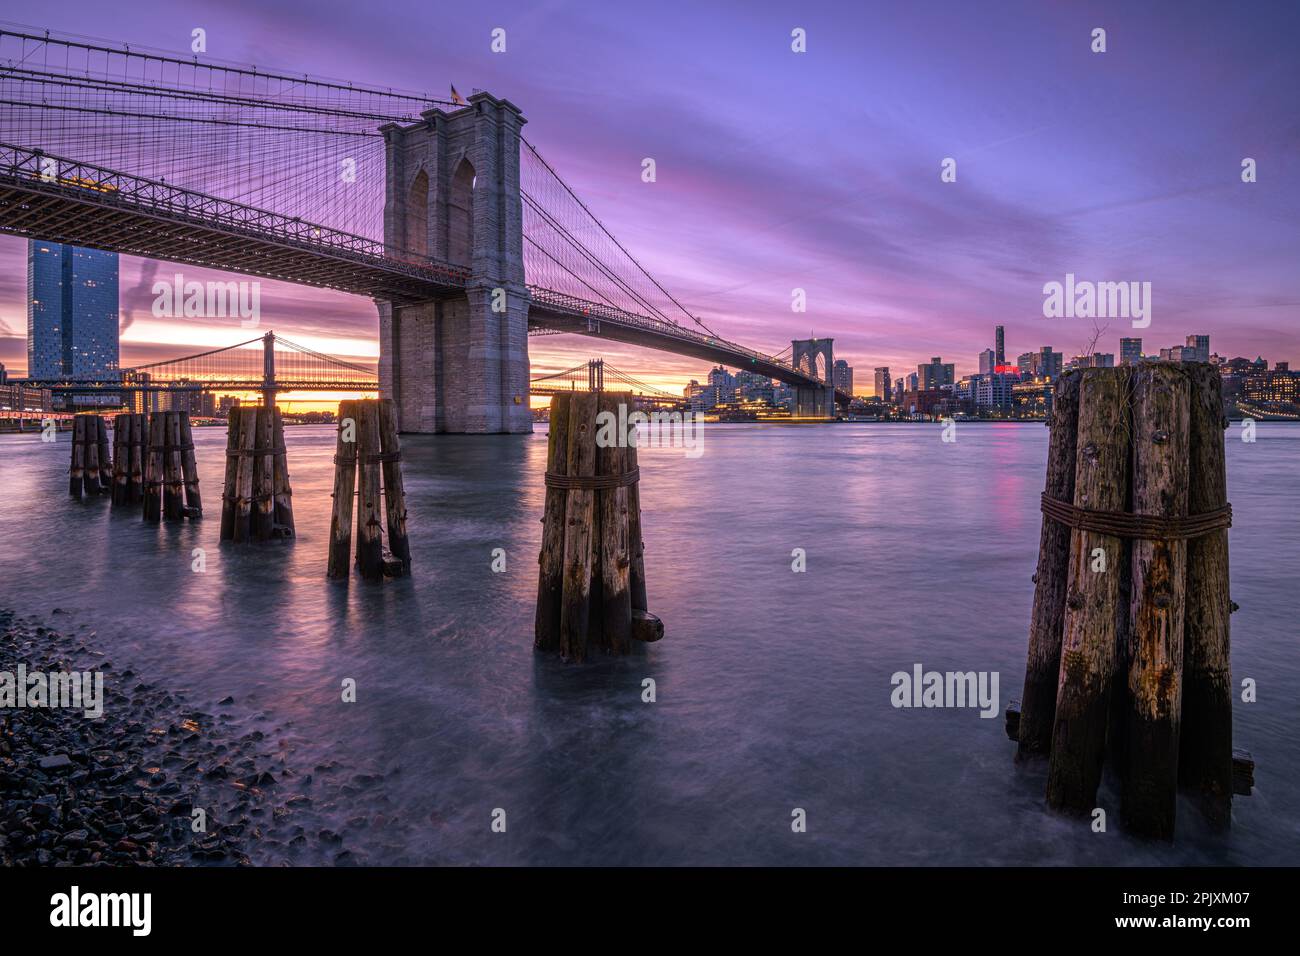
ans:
(72, 312)
(842, 378)
(883, 383)
(1199, 348)
(1130, 351)
(987, 360)
(934, 375)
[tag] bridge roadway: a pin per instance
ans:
(61, 200)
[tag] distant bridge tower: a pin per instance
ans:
(458, 364)
(816, 359)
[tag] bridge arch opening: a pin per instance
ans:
(416, 238)
(460, 215)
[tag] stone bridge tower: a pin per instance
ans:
(452, 192)
(815, 358)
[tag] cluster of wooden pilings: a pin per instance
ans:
(591, 590)
(256, 501)
(130, 455)
(171, 475)
(368, 447)
(1128, 666)
(92, 464)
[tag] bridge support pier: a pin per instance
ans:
(814, 401)
(459, 363)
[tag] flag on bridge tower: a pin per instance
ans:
(457, 98)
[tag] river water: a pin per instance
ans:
(772, 687)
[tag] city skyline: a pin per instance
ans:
(896, 264)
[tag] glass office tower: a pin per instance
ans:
(71, 312)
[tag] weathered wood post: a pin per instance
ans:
(1089, 631)
(1155, 671)
(105, 456)
(368, 447)
(612, 523)
(91, 470)
(230, 486)
(345, 476)
(263, 512)
(586, 600)
(173, 484)
(153, 474)
(636, 546)
(77, 473)
(280, 480)
(394, 490)
(1147, 606)
(1043, 669)
(136, 459)
(1205, 756)
(550, 578)
(370, 547)
(190, 469)
(121, 459)
(244, 473)
(579, 537)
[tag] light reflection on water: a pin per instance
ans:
(773, 687)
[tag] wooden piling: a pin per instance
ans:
(370, 546)
(345, 475)
(550, 578)
(1205, 761)
(189, 468)
(263, 510)
(1089, 622)
(90, 469)
(586, 599)
(135, 459)
(1159, 567)
(121, 458)
(394, 491)
(153, 473)
(230, 486)
(612, 526)
(244, 473)
(173, 484)
(1043, 668)
(636, 546)
(580, 513)
(77, 473)
(280, 480)
(106, 458)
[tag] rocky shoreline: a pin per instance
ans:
(123, 789)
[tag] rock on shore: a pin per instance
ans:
(122, 789)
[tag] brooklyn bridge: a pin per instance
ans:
(467, 239)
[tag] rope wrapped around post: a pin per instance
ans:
(1124, 524)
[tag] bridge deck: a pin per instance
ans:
(59, 200)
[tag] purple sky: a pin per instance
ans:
(821, 170)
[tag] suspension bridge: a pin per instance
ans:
(271, 363)
(465, 236)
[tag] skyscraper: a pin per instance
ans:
(1200, 348)
(1130, 351)
(842, 377)
(71, 312)
(883, 383)
(1000, 346)
(988, 358)
(935, 374)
